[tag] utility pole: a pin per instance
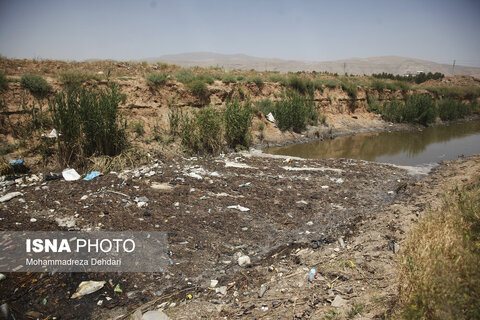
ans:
(344, 67)
(453, 68)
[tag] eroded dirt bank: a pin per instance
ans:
(290, 202)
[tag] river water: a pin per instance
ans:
(405, 148)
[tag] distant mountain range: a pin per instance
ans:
(358, 66)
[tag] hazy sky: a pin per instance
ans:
(434, 30)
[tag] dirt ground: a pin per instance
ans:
(291, 202)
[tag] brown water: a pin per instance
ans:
(407, 148)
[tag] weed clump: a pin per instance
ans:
(198, 88)
(76, 77)
(3, 81)
(156, 79)
(89, 123)
(201, 131)
(449, 109)
(36, 84)
(238, 120)
(294, 111)
(420, 109)
(266, 106)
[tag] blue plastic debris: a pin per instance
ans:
(92, 175)
(17, 162)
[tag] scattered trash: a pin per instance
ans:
(117, 288)
(70, 175)
(245, 184)
(263, 289)
(312, 274)
(270, 117)
(194, 175)
(52, 177)
(44, 301)
(315, 244)
(340, 241)
(10, 196)
(239, 207)
(213, 283)
(87, 287)
(155, 315)
(230, 164)
(99, 302)
(92, 175)
(264, 308)
(33, 220)
(161, 186)
(16, 163)
(52, 135)
(67, 222)
(338, 302)
(222, 290)
(2, 276)
(339, 180)
(244, 261)
(393, 246)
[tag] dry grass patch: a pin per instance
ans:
(441, 261)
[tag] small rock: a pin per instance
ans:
(263, 289)
(338, 302)
(216, 301)
(244, 261)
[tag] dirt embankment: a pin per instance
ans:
(150, 106)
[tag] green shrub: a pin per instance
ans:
(201, 131)
(294, 111)
(175, 118)
(198, 88)
(462, 93)
(393, 111)
(138, 128)
(420, 109)
(449, 109)
(75, 77)
(156, 79)
(329, 83)
(373, 104)
(36, 84)
(238, 120)
(89, 123)
(229, 78)
(379, 85)
(257, 80)
(266, 106)
(302, 85)
(185, 76)
(3, 81)
(350, 88)
(404, 86)
(205, 77)
(276, 78)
